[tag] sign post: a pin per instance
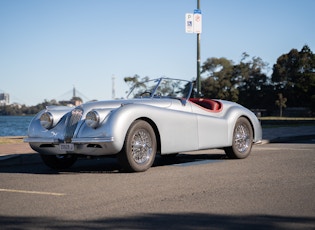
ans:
(193, 24)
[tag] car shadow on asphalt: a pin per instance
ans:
(108, 164)
(181, 221)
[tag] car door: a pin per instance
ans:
(212, 128)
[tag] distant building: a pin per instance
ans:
(4, 99)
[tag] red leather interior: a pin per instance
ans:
(207, 103)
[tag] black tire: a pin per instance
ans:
(138, 153)
(242, 140)
(59, 161)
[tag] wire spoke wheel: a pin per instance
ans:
(141, 149)
(242, 140)
(138, 153)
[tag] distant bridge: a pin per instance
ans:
(72, 93)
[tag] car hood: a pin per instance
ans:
(117, 103)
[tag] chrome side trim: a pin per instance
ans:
(89, 140)
(74, 140)
(41, 140)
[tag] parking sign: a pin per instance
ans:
(189, 23)
(193, 22)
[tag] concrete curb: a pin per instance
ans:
(292, 138)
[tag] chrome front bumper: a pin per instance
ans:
(83, 146)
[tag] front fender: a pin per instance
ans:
(237, 111)
(35, 129)
(114, 126)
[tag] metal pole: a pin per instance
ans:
(198, 59)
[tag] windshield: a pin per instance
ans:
(162, 88)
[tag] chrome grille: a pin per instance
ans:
(72, 123)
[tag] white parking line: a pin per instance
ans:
(32, 192)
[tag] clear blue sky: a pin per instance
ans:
(47, 47)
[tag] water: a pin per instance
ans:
(14, 125)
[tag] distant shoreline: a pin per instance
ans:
(21, 115)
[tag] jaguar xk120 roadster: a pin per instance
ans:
(157, 117)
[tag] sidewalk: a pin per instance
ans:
(285, 134)
(21, 153)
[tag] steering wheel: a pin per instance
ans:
(145, 92)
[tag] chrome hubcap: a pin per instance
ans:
(141, 146)
(242, 138)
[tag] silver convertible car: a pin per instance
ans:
(157, 117)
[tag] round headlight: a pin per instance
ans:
(92, 119)
(46, 120)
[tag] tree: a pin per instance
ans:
(294, 75)
(218, 83)
(242, 83)
(281, 102)
(251, 80)
(132, 80)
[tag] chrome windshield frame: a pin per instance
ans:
(152, 92)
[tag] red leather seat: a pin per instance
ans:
(207, 103)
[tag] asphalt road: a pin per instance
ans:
(274, 188)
